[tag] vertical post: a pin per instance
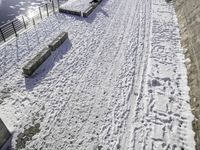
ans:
(24, 22)
(2, 35)
(27, 40)
(58, 4)
(40, 12)
(33, 21)
(53, 6)
(17, 51)
(14, 28)
(47, 10)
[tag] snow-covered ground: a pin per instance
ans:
(119, 83)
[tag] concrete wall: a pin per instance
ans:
(188, 13)
(4, 135)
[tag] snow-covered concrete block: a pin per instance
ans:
(58, 41)
(72, 12)
(91, 8)
(5, 136)
(34, 63)
(63, 36)
(54, 44)
(88, 11)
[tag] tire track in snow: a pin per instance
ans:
(102, 89)
(141, 63)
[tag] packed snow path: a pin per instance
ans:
(120, 83)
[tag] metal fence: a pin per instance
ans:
(14, 27)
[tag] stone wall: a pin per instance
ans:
(188, 13)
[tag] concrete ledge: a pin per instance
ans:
(91, 8)
(72, 12)
(34, 63)
(54, 44)
(63, 36)
(5, 136)
(58, 41)
(88, 11)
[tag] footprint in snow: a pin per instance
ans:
(155, 83)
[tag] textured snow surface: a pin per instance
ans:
(78, 5)
(119, 83)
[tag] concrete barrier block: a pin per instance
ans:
(72, 12)
(34, 63)
(90, 9)
(5, 135)
(63, 36)
(58, 41)
(54, 44)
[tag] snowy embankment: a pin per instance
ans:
(120, 83)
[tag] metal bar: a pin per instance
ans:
(4, 25)
(53, 6)
(2, 35)
(40, 12)
(14, 28)
(47, 10)
(24, 22)
(58, 4)
(33, 21)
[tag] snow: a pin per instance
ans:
(77, 5)
(119, 83)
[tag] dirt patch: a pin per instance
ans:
(27, 135)
(188, 18)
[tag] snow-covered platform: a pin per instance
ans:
(79, 7)
(120, 83)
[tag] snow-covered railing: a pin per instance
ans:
(14, 27)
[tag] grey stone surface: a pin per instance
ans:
(34, 63)
(4, 134)
(188, 14)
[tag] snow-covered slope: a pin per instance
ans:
(119, 83)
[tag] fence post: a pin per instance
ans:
(33, 21)
(58, 4)
(47, 10)
(40, 12)
(2, 35)
(53, 6)
(24, 22)
(14, 28)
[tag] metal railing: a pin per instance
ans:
(20, 23)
